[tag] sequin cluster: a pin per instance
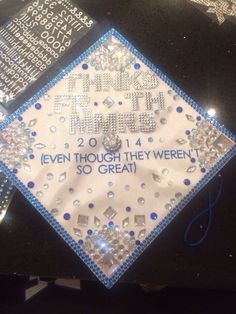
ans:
(111, 56)
(109, 247)
(16, 144)
(210, 143)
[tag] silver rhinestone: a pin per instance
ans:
(39, 146)
(156, 177)
(165, 172)
(83, 220)
(71, 190)
(178, 195)
(54, 211)
(127, 187)
(110, 194)
(27, 167)
(97, 221)
(53, 129)
(46, 97)
(143, 185)
(163, 121)
(76, 203)
(142, 233)
(89, 191)
(32, 123)
(173, 201)
(110, 212)
(49, 176)
(181, 141)
(110, 183)
(191, 169)
(62, 177)
(66, 145)
(162, 140)
(39, 194)
(168, 206)
(125, 222)
(62, 119)
(190, 118)
(77, 232)
(45, 186)
(141, 201)
(139, 220)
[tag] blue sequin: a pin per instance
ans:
(89, 232)
(38, 106)
(20, 118)
(187, 182)
(179, 109)
(187, 132)
(91, 205)
(15, 171)
(199, 118)
(153, 216)
(85, 66)
(31, 156)
(128, 209)
(131, 233)
(137, 242)
(193, 160)
(95, 103)
(34, 133)
(30, 185)
(137, 66)
(80, 242)
(66, 216)
(111, 224)
(203, 170)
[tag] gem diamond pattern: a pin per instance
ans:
(111, 159)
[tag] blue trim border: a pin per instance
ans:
(110, 281)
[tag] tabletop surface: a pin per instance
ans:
(199, 56)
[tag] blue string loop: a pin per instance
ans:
(209, 211)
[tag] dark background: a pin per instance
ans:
(199, 56)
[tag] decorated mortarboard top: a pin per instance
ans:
(109, 152)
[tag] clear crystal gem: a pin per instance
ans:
(142, 233)
(111, 143)
(181, 141)
(141, 200)
(108, 102)
(190, 118)
(139, 220)
(50, 176)
(110, 194)
(39, 146)
(77, 232)
(97, 221)
(82, 220)
(165, 172)
(54, 211)
(191, 169)
(110, 212)
(76, 203)
(53, 129)
(32, 123)
(39, 194)
(156, 177)
(62, 177)
(125, 222)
